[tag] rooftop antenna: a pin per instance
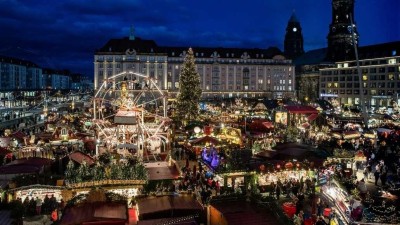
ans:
(364, 112)
(132, 33)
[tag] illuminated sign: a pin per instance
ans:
(329, 95)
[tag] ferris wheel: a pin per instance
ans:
(129, 110)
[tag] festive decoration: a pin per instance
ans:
(189, 89)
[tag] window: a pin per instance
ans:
(392, 61)
(64, 131)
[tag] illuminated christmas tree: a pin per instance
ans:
(189, 89)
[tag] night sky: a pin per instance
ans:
(64, 34)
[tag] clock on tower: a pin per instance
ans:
(293, 38)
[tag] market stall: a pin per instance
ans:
(339, 199)
(268, 178)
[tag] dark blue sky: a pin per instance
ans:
(64, 34)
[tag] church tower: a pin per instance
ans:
(340, 41)
(293, 46)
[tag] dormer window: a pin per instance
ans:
(64, 131)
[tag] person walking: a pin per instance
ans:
(38, 205)
(369, 170)
(278, 191)
(365, 173)
(377, 173)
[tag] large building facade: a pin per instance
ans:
(224, 72)
(379, 81)
(17, 74)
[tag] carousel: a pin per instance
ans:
(129, 119)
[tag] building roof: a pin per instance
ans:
(315, 56)
(379, 50)
(121, 45)
(11, 60)
(318, 56)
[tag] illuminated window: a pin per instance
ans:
(365, 77)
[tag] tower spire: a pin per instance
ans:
(293, 38)
(340, 42)
(132, 33)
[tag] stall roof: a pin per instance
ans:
(162, 171)
(25, 165)
(19, 169)
(204, 140)
(95, 212)
(80, 156)
(32, 161)
(174, 221)
(4, 151)
(242, 212)
(312, 117)
(165, 203)
(301, 109)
